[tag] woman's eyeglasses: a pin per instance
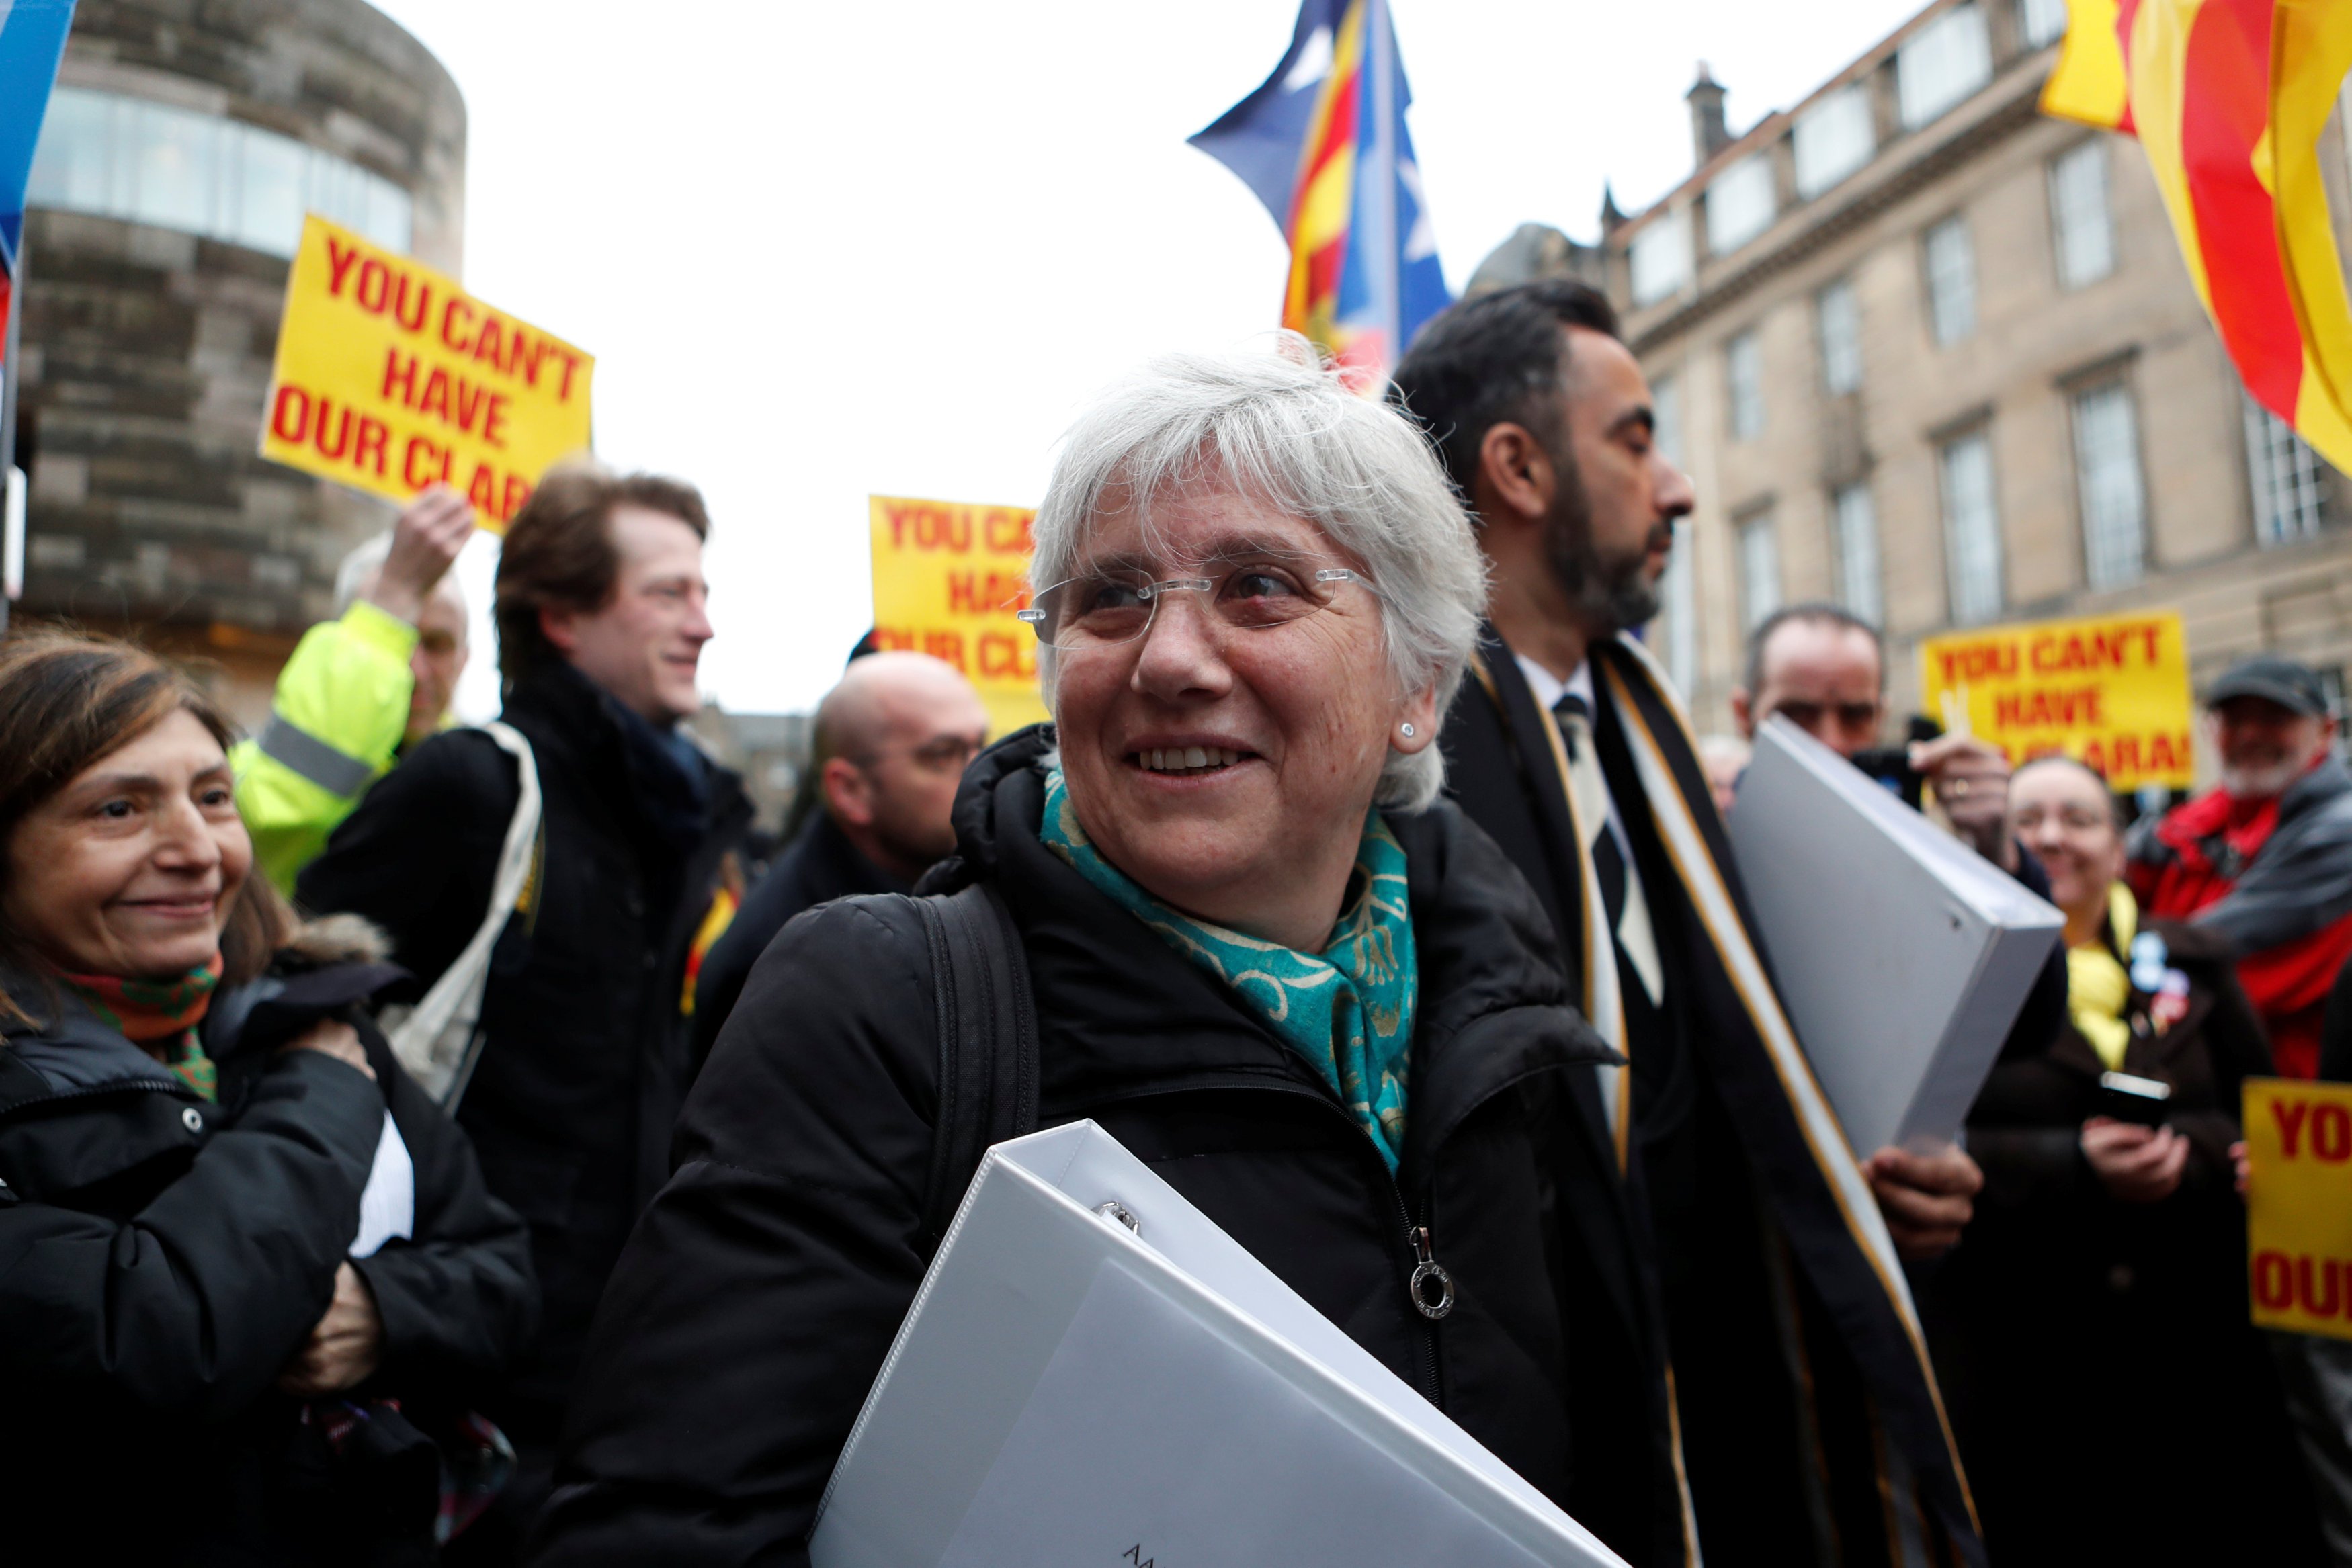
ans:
(1103, 608)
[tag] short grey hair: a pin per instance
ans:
(1282, 428)
(352, 577)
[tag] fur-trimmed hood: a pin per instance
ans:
(326, 966)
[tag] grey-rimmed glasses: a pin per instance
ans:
(1103, 608)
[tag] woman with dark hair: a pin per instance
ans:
(2111, 1400)
(246, 1266)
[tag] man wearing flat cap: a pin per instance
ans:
(2264, 858)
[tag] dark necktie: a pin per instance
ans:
(1621, 889)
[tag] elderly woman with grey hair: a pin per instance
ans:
(1264, 954)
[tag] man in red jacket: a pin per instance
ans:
(2264, 859)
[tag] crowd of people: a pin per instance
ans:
(546, 1182)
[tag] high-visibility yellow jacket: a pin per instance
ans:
(335, 727)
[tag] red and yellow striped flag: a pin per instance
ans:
(2228, 99)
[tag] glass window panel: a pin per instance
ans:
(175, 155)
(268, 213)
(1679, 592)
(1743, 375)
(2079, 215)
(1660, 258)
(1833, 138)
(1666, 417)
(1971, 530)
(1855, 519)
(1741, 203)
(70, 165)
(387, 214)
(123, 157)
(1841, 329)
(2290, 499)
(1943, 63)
(1759, 570)
(1951, 280)
(2106, 468)
(2042, 21)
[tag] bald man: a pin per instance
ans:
(892, 743)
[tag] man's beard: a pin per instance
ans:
(2259, 782)
(1612, 596)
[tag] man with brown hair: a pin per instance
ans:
(584, 1021)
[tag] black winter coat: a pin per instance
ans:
(2110, 1398)
(818, 865)
(585, 1059)
(160, 1259)
(755, 1303)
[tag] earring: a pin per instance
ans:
(1408, 730)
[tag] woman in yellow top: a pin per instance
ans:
(2112, 1403)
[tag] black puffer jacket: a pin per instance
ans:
(756, 1299)
(160, 1259)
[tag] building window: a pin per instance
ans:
(1833, 139)
(1759, 570)
(1743, 382)
(121, 157)
(1841, 328)
(1855, 521)
(2040, 22)
(2078, 214)
(2115, 504)
(1678, 591)
(1943, 63)
(1951, 280)
(2290, 502)
(1741, 203)
(1971, 530)
(1660, 258)
(1666, 418)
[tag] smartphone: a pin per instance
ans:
(1891, 766)
(2128, 1097)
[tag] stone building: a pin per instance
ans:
(1933, 355)
(184, 143)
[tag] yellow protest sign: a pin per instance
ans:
(2112, 691)
(947, 579)
(390, 378)
(2299, 1204)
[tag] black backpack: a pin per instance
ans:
(988, 1040)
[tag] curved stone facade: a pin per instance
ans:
(148, 338)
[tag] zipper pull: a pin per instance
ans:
(1432, 1288)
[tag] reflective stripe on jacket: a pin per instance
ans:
(336, 719)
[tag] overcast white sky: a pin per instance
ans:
(827, 250)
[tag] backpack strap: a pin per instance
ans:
(988, 1040)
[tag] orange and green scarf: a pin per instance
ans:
(159, 1015)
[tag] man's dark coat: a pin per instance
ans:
(820, 865)
(586, 1061)
(1808, 1409)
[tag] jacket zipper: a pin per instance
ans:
(1428, 1275)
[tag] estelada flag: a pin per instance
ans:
(32, 40)
(2228, 99)
(1323, 144)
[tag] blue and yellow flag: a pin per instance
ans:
(1323, 144)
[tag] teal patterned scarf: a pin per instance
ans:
(1348, 1011)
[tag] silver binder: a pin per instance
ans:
(1902, 954)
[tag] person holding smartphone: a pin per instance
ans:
(2111, 1400)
